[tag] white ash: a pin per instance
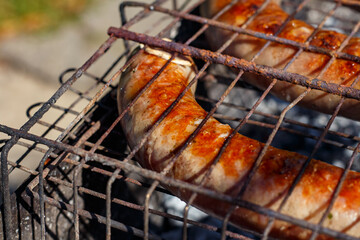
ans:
(175, 206)
(343, 20)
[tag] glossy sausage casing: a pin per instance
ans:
(270, 183)
(269, 21)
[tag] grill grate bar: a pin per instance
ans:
(244, 121)
(336, 191)
(108, 202)
(44, 108)
(345, 172)
(177, 19)
(85, 94)
(140, 15)
(115, 123)
(272, 116)
(79, 149)
(224, 117)
(289, 130)
(237, 63)
(89, 215)
(85, 166)
(322, 136)
(210, 114)
(153, 186)
(136, 148)
(73, 137)
(141, 208)
(170, 181)
(286, 120)
(134, 36)
(240, 30)
(76, 75)
(68, 110)
(197, 130)
(263, 152)
(61, 136)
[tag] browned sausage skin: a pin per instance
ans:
(269, 21)
(268, 186)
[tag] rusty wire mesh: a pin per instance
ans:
(91, 188)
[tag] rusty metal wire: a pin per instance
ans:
(240, 30)
(240, 64)
(45, 107)
(163, 179)
(84, 139)
(319, 141)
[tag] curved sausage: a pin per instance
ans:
(268, 21)
(270, 183)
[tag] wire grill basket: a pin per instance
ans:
(85, 183)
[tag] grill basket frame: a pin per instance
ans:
(85, 149)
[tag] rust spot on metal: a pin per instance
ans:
(234, 62)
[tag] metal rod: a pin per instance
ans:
(212, 111)
(276, 127)
(323, 134)
(233, 28)
(202, 123)
(5, 191)
(115, 123)
(258, 160)
(141, 208)
(89, 215)
(224, 117)
(153, 186)
(44, 108)
(238, 63)
(286, 120)
(76, 200)
(76, 178)
(170, 181)
(336, 191)
(101, 50)
(89, 155)
(108, 202)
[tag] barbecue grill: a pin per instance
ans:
(87, 184)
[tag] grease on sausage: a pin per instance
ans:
(270, 183)
(269, 21)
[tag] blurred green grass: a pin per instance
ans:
(29, 16)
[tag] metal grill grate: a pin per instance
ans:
(90, 187)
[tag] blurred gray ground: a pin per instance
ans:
(30, 65)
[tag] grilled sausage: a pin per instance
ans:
(271, 181)
(268, 21)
